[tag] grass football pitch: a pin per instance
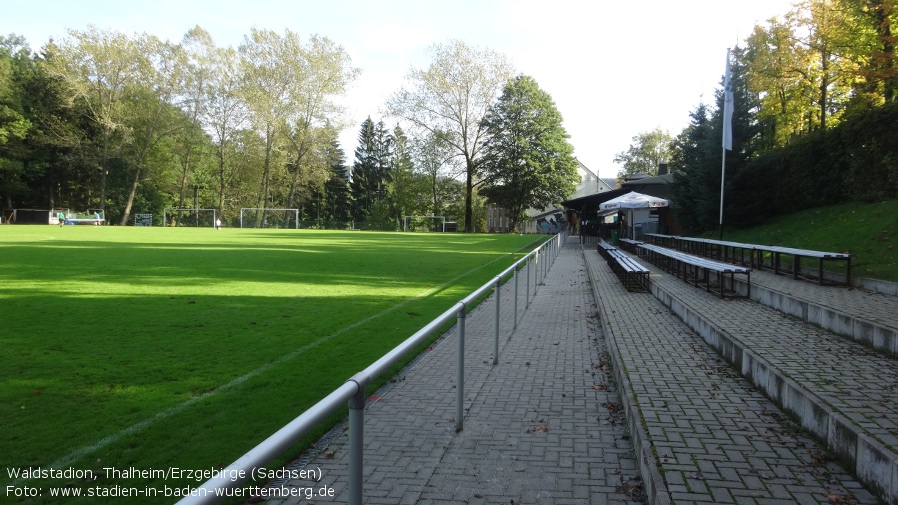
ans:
(152, 348)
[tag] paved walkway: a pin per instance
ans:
(593, 371)
(542, 426)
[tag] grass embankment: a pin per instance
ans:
(868, 231)
(155, 348)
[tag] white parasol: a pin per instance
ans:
(633, 200)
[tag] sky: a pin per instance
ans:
(614, 68)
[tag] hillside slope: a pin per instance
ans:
(866, 230)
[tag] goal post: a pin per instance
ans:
(190, 217)
(268, 217)
(424, 223)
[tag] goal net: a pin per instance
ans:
(261, 217)
(424, 223)
(191, 218)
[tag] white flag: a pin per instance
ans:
(728, 108)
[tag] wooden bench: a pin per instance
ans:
(632, 275)
(695, 268)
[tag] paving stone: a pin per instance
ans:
(706, 393)
(538, 431)
(535, 430)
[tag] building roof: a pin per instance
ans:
(655, 186)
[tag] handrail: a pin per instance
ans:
(353, 391)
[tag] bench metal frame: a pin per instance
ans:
(696, 269)
(630, 245)
(735, 252)
(632, 275)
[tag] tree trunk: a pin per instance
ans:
(221, 182)
(469, 199)
(884, 30)
(293, 183)
(104, 168)
(266, 176)
(127, 212)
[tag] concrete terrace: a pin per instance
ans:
(674, 396)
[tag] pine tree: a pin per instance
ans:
(336, 189)
(363, 171)
(372, 170)
(698, 151)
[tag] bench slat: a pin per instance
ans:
(627, 269)
(699, 262)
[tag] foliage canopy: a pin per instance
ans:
(528, 161)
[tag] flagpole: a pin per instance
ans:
(723, 169)
(727, 132)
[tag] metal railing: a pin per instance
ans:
(353, 390)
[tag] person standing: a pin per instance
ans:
(218, 223)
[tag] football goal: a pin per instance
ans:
(266, 217)
(424, 223)
(190, 218)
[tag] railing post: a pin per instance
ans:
(536, 271)
(356, 445)
(496, 337)
(460, 372)
(515, 325)
(527, 293)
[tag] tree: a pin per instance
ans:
(452, 97)
(867, 40)
(224, 113)
(405, 186)
(337, 186)
(13, 124)
(817, 25)
(433, 159)
(152, 106)
(775, 73)
(694, 163)
(100, 69)
(372, 169)
(528, 160)
(646, 152)
(199, 66)
(696, 159)
(266, 93)
(15, 127)
(321, 70)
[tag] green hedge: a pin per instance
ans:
(854, 161)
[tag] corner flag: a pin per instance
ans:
(727, 108)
